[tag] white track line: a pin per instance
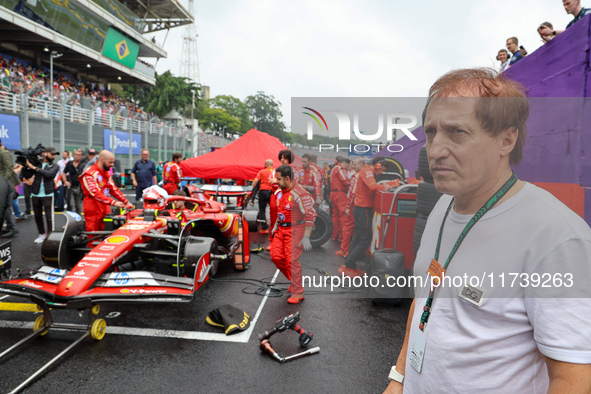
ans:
(240, 337)
(3, 297)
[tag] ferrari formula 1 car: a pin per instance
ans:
(146, 255)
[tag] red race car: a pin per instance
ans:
(162, 253)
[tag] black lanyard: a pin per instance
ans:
(481, 212)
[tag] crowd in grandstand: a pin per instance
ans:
(16, 74)
(515, 52)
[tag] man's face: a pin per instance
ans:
(283, 160)
(50, 156)
(357, 165)
(283, 182)
(77, 156)
(570, 6)
(178, 160)
(502, 56)
(145, 155)
(511, 46)
(65, 155)
(305, 163)
(108, 163)
(463, 157)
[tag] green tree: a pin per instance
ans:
(169, 93)
(235, 108)
(219, 121)
(265, 115)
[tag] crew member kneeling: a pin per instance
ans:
(94, 181)
(295, 219)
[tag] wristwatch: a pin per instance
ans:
(395, 375)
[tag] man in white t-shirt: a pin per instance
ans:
(501, 304)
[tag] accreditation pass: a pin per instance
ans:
(417, 349)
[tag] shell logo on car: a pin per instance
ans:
(117, 239)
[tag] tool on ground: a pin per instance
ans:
(267, 348)
(288, 322)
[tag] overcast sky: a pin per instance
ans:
(351, 48)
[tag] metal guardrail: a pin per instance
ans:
(11, 102)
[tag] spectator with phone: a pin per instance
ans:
(546, 32)
(517, 52)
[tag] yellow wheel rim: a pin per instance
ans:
(98, 329)
(96, 309)
(40, 322)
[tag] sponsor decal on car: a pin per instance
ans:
(106, 247)
(142, 291)
(145, 224)
(87, 258)
(30, 284)
(134, 227)
(54, 275)
(117, 239)
(121, 278)
(81, 272)
(78, 275)
(86, 264)
(75, 216)
(99, 254)
(120, 257)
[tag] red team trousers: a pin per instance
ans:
(286, 255)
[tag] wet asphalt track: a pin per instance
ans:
(359, 341)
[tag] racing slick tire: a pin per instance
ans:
(424, 165)
(55, 250)
(427, 197)
(194, 248)
(252, 218)
(322, 230)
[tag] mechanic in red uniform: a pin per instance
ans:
(95, 181)
(339, 186)
(291, 232)
(309, 179)
(347, 220)
(365, 187)
(264, 177)
(171, 173)
(285, 157)
(320, 172)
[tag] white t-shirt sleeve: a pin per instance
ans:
(558, 306)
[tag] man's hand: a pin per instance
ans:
(32, 167)
(275, 227)
(134, 183)
(394, 388)
(318, 200)
(119, 204)
(129, 205)
(348, 212)
(305, 242)
(68, 184)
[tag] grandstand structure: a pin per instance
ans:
(94, 42)
(101, 40)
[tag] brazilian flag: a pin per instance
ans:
(120, 48)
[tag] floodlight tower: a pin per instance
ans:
(190, 57)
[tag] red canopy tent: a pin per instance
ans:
(241, 159)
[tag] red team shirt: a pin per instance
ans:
(339, 181)
(95, 182)
(311, 177)
(264, 176)
(171, 175)
(366, 185)
(295, 206)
